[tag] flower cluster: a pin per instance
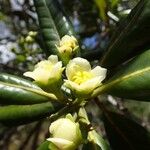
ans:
(81, 79)
(76, 76)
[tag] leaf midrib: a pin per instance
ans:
(52, 20)
(39, 92)
(106, 86)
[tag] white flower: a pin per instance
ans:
(47, 72)
(83, 80)
(66, 134)
(67, 48)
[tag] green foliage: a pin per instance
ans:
(125, 134)
(98, 143)
(130, 38)
(102, 5)
(44, 146)
(53, 23)
(62, 23)
(114, 3)
(13, 115)
(132, 80)
(15, 90)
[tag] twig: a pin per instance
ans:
(25, 143)
(35, 140)
(106, 113)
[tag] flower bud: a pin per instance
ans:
(66, 134)
(67, 48)
(32, 33)
(29, 39)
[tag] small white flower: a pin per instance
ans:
(83, 80)
(66, 134)
(47, 72)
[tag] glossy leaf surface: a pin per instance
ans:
(132, 81)
(8, 78)
(53, 23)
(130, 38)
(21, 114)
(14, 90)
(62, 23)
(125, 134)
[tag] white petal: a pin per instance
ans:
(57, 70)
(29, 74)
(83, 63)
(62, 143)
(91, 84)
(41, 64)
(99, 71)
(72, 85)
(39, 75)
(55, 125)
(53, 59)
(75, 65)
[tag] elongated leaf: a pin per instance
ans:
(131, 37)
(102, 5)
(47, 26)
(8, 78)
(21, 114)
(62, 22)
(125, 134)
(114, 3)
(53, 23)
(132, 81)
(14, 90)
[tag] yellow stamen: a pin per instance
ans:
(82, 76)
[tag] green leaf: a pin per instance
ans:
(102, 5)
(131, 81)
(62, 23)
(97, 142)
(8, 78)
(14, 90)
(130, 38)
(21, 114)
(53, 23)
(125, 134)
(114, 3)
(47, 146)
(44, 146)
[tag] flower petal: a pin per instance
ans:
(72, 85)
(99, 71)
(62, 143)
(91, 84)
(53, 59)
(75, 65)
(57, 70)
